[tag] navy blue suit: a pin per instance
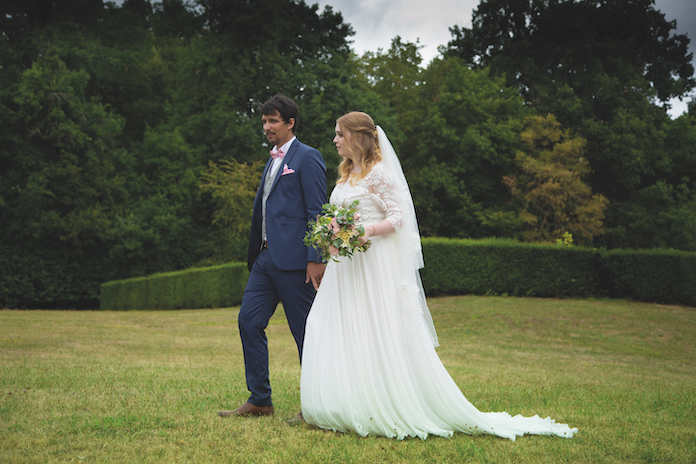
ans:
(278, 272)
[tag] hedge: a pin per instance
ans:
(505, 267)
(500, 266)
(661, 276)
(207, 287)
(457, 267)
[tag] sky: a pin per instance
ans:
(377, 22)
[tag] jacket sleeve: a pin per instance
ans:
(314, 190)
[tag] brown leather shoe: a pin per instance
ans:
(297, 420)
(248, 409)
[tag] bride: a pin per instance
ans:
(369, 363)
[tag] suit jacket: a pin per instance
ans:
(297, 196)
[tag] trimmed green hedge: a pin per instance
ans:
(661, 276)
(499, 266)
(457, 267)
(207, 287)
(503, 266)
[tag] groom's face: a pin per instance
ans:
(278, 132)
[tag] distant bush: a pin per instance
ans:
(208, 287)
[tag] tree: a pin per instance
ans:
(58, 185)
(233, 187)
(605, 69)
(552, 46)
(662, 214)
(457, 153)
(395, 75)
(109, 116)
(164, 225)
(598, 65)
(548, 188)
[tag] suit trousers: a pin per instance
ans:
(268, 285)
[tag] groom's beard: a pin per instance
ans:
(272, 138)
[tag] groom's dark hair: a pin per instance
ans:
(284, 106)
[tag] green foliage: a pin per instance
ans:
(567, 239)
(109, 116)
(57, 187)
(395, 76)
(607, 75)
(456, 267)
(659, 215)
(662, 213)
(626, 43)
(458, 152)
(209, 287)
(665, 276)
(505, 267)
(233, 188)
(49, 274)
(548, 188)
(247, 53)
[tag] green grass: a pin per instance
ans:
(145, 386)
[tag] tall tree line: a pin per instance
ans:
(130, 138)
(605, 69)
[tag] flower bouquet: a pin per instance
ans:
(335, 233)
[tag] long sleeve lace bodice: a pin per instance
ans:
(377, 195)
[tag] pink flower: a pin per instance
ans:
(333, 250)
(356, 216)
(334, 225)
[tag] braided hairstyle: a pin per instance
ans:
(360, 133)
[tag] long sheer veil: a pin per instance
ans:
(408, 237)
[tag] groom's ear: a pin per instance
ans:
(291, 124)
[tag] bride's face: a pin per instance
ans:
(342, 140)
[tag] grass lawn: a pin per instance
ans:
(144, 386)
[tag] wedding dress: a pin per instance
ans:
(369, 363)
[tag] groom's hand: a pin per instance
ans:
(315, 272)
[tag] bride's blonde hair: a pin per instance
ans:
(360, 134)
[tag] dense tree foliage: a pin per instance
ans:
(233, 187)
(551, 197)
(130, 139)
(459, 150)
(111, 114)
(604, 68)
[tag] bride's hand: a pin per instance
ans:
(368, 233)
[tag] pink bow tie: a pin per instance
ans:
(277, 154)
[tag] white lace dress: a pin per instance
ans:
(368, 363)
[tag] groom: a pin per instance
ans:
(282, 269)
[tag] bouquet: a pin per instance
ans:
(335, 233)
